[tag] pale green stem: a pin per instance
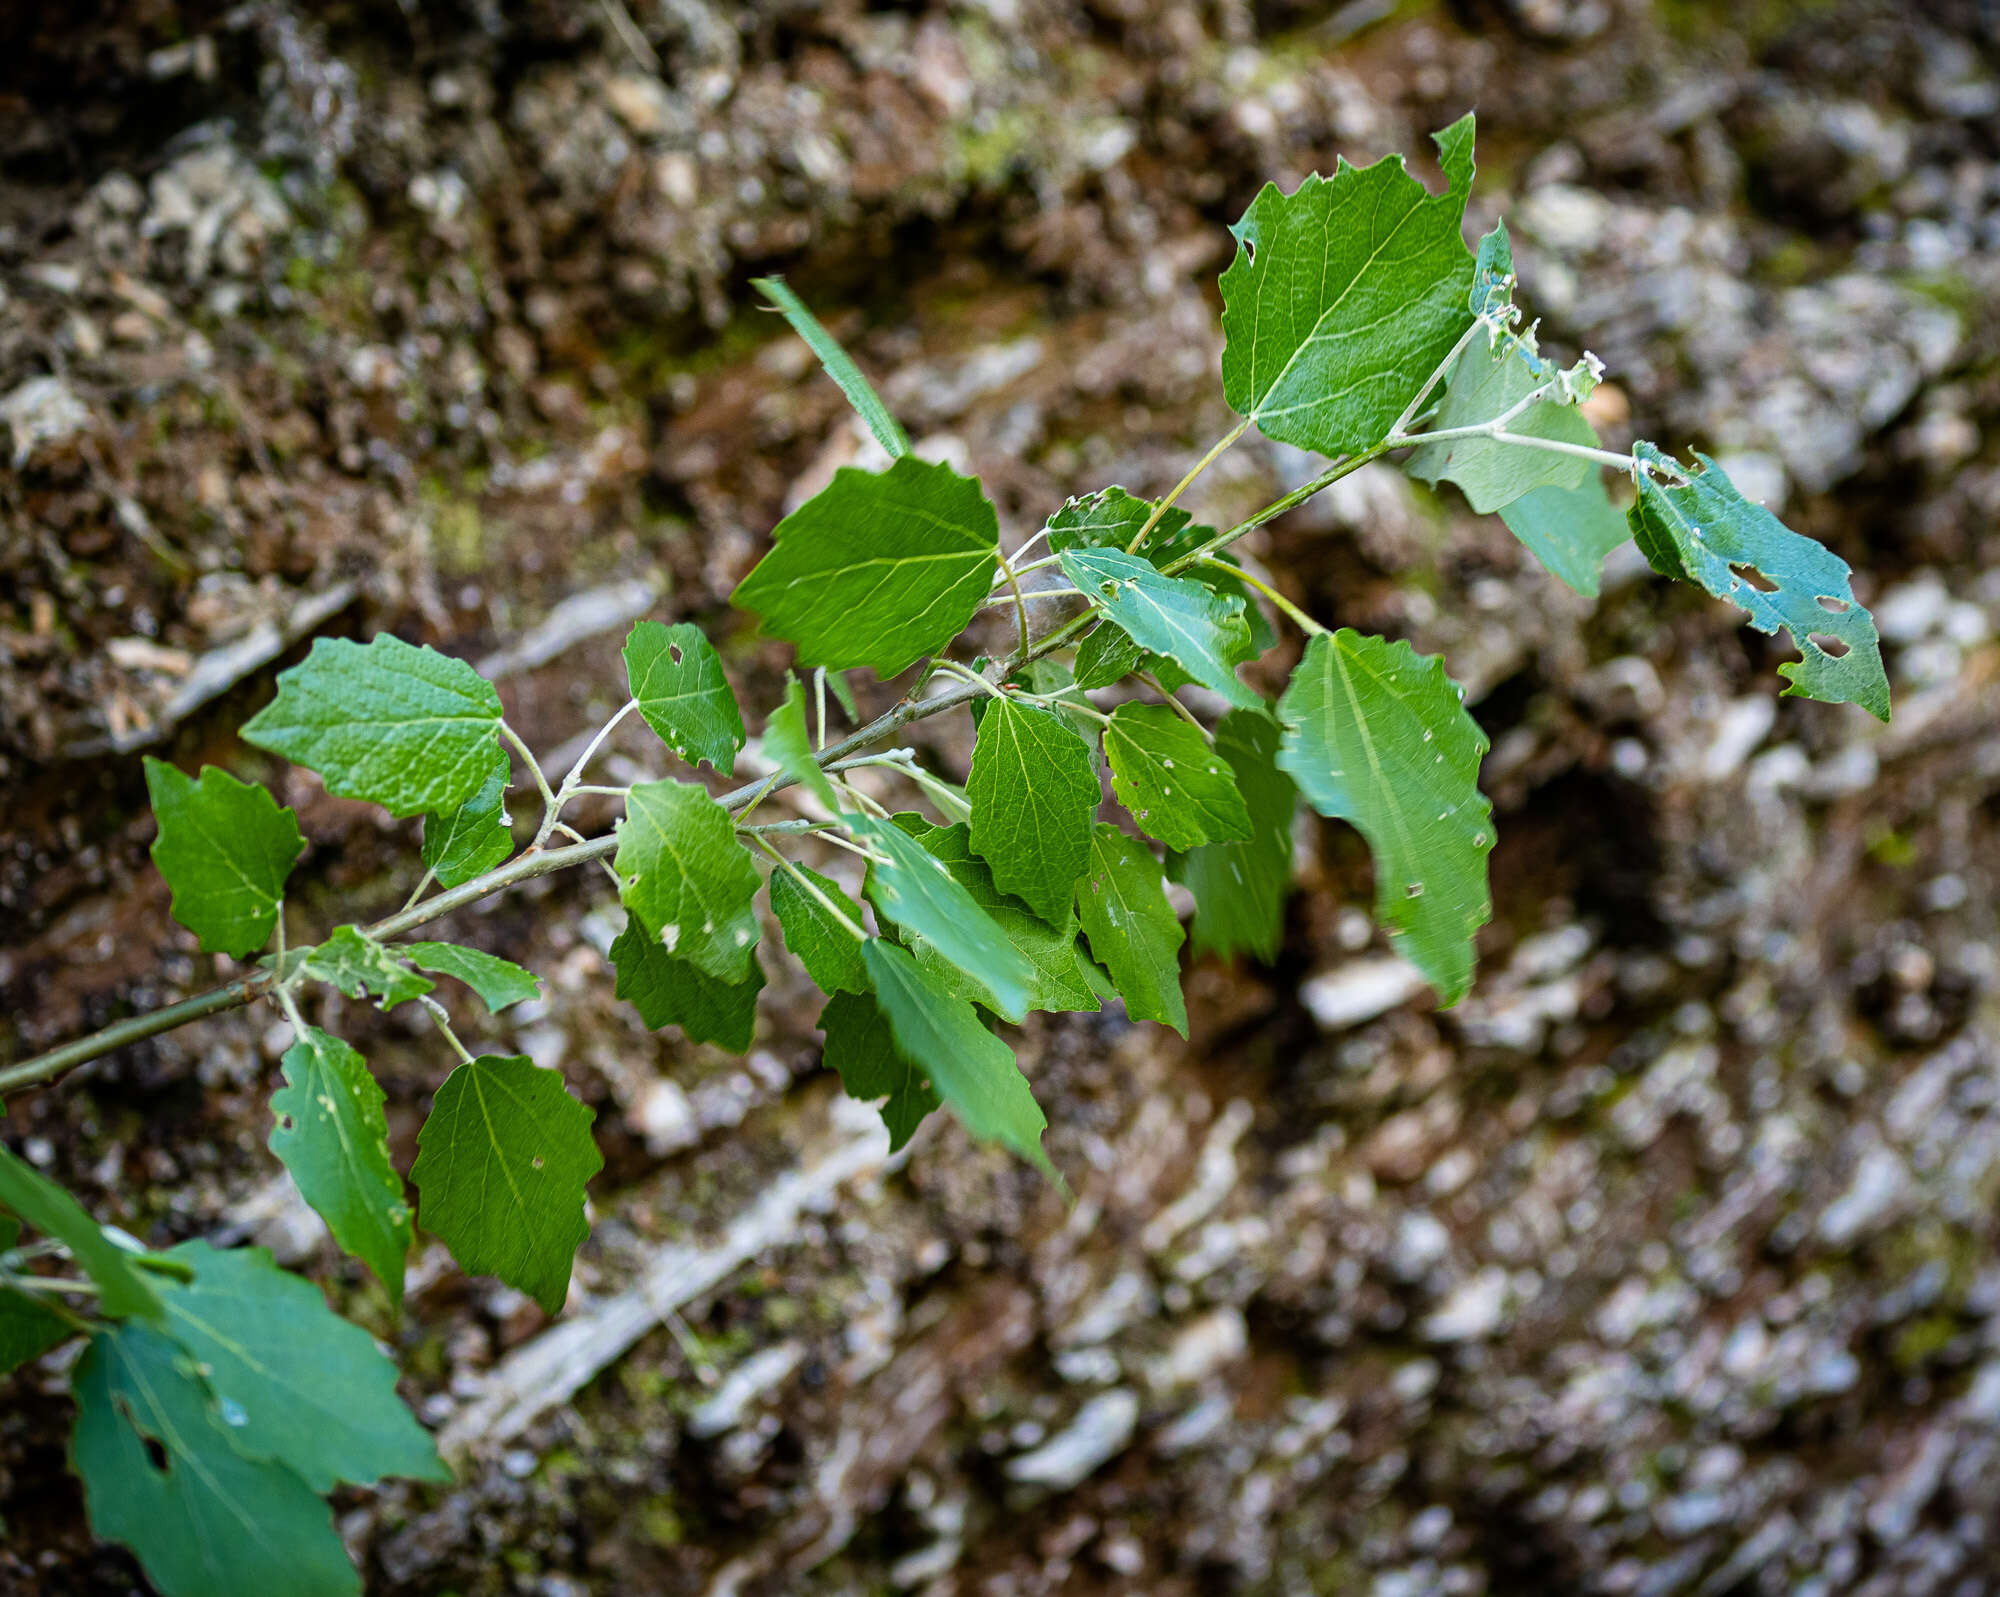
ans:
(1305, 622)
(428, 877)
(819, 702)
(549, 804)
(443, 1018)
(1181, 487)
(1437, 375)
(1050, 701)
(1175, 704)
(1020, 605)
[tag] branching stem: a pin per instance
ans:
(547, 861)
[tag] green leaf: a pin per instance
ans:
(671, 992)
(295, 1383)
(161, 1474)
(1492, 275)
(1486, 384)
(1111, 519)
(916, 892)
(788, 742)
(968, 1067)
(1132, 929)
(1377, 735)
(1704, 532)
(1570, 530)
(499, 982)
(878, 569)
(332, 1135)
(1108, 655)
(501, 1167)
(28, 1329)
(830, 952)
(1239, 888)
(122, 1289)
(468, 841)
(225, 849)
(687, 878)
(384, 722)
(1033, 789)
(1202, 630)
(676, 678)
(867, 404)
(862, 1047)
(1344, 296)
(1176, 787)
(1051, 679)
(1049, 946)
(362, 968)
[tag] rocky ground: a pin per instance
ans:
(1664, 1264)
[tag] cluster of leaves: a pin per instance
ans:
(1358, 325)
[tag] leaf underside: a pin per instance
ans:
(1487, 384)
(298, 1385)
(1704, 532)
(122, 1288)
(1570, 530)
(969, 1068)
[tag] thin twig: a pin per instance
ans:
(1181, 487)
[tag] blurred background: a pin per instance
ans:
(1664, 1264)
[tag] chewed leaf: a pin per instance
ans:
(1703, 531)
(362, 968)
(1111, 519)
(385, 722)
(687, 878)
(1493, 275)
(1344, 295)
(677, 682)
(877, 568)
(1377, 735)
(225, 849)
(1203, 631)
(161, 1473)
